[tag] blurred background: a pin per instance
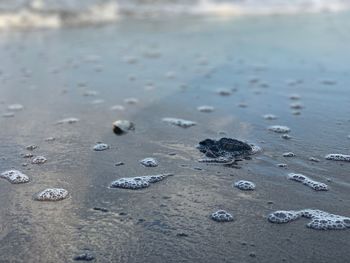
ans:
(55, 13)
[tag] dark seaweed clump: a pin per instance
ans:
(225, 147)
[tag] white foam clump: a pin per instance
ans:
(15, 107)
(279, 129)
(255, 148)
(227, 8)
(131, 101)
(270, 117)
(205, 108)
(224, 92)
(286, 136)
(139, 182)
(39, 160)
(15, 177)
(8, 114)
(221, 216)
(70, 120)
(117, 107)
(35, 17)
(288, 154)
(52, 194)
(317, 186)
(149, 162)
(296, 106)
(244, 185)
(320, 220)
(338, 157)
(101, 147)
(179, 122)
(294, 97)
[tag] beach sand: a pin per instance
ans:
(172, 67)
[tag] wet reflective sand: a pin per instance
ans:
(159, 69)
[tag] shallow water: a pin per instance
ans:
(176, 66)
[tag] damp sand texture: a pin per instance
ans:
(70, 85)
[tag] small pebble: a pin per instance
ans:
(122, 126)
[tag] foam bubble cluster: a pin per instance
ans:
(52, 194)
(269, 117)
(313, 159)
(320, 220)
(296, 106)
(221, 216)
(15, 177)
(149, 162)
(255, 148)
(244, 185)
(224, 92)
(338, 157)
(101, 147)
(286, 136)
(68, 120)
(139, 182)
(15, 107)
(294, 97)
(131, 101)
(288, 154)
(39, 160)
(279, 129)
(179, 122)
(205, 108)
(117, 107)
(317, 186)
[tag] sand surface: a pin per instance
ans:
(172, 67)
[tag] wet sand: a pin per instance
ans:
(172, 67)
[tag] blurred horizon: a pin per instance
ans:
(55, 14)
